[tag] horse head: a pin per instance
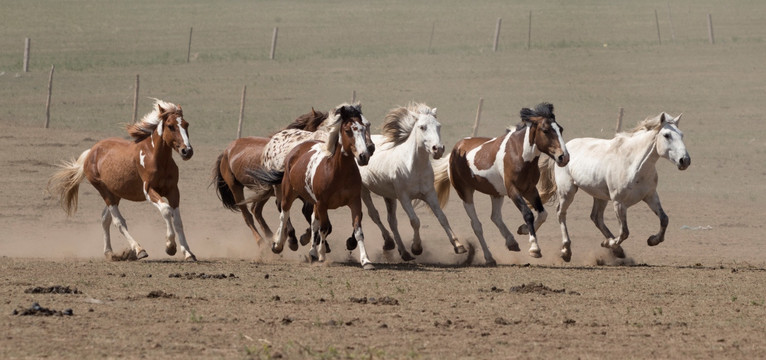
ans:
(354, 132)
(544, 134)
(174, 131)
(428, 130)
(670, 141)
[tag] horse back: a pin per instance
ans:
(473, 166)
(243, 154)
(111, 167)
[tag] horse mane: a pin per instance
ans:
(649, 124)
(398, 123)
(310, 121)
(335, 120)
(543, 110)
(144, 128)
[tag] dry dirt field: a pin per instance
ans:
(700, 294)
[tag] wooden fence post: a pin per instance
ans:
(497, 34)
(618, 128)
(274, 42)
(135, 101)
(431, 39)
(672, 29)
(27, 44)
(353, 96)
(241, 112)
(478, 118)
(529, 31)
(48, 101)
(657, 21)
(710, 28)
(188, 51)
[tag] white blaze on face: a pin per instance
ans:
(530, 151)
(359, 139)
(141, 157)
(556, 127)
(316, 157)
(494, 174)
(184, 135)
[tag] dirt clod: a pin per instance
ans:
(55, 289)
(535, 288)
(37, 310)
(194, 275)
(159, 294)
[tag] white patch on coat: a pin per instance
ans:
(141, 157)
(530, 151)
(495, 173)
(316, 158)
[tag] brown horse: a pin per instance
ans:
(138, 170)
(326, 174)
(230, 174)
(505, 165)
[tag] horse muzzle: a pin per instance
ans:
(186, 153)
(437, 151)
(363, 159)
(562, 160)
(684, 162)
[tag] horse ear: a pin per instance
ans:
(313, 112)
(678, 119)
(663, 118)
(160, 109)
(433, 111)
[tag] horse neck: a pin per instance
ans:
(518, 137)
(641, 151)
(159, 150)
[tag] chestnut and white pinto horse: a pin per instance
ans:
(326, 175)
(621, 169)
(401, 170)
(137, 170)
(506, 166)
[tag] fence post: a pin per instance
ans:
(241, 112)
(529, 31)
(478, 118)
(431, 39)
(274, 42)
(672, 29)
(657, 21)
(135, 101)
(27, 44)
(188, 51)
(710, 28)
(618, 128)
(353, 96)
(48, 101)
(497, 34)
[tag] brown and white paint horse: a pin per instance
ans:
(326, 174)
(138, 170)
(230, 173)
(505, 166)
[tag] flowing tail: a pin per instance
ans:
(547, 185)
(222, 188)
(267, 176)
(65, 183)
(441, 179)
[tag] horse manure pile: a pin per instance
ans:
(159, 294)
(55, 289)
(538, 288)
(194, 275)
(37, 310)
(386, 300)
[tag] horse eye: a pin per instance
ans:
(667, 136)
(423, 127)
(171, 128)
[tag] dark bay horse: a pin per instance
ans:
(326, 174)
(138, 170)
(230, 174)
(505, 166)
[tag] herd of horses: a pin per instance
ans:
(330, 160)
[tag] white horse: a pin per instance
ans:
(401, 169)
(621, 169)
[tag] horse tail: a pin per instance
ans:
(65, 183)
(270, 177)
(221, 187)
(547, 185)
(441, 179)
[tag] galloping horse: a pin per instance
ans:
(138, 170)
(621, 169)
(326, 174)
(505, 165)
(230, 173)
(401, 170)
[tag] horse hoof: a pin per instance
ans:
(368, 266)
(293, 244)
(523, 230)
(566, 255)
(305, 238)
(417, 250)
(654, 240)
(490, 263)
(535, 253)
(514, 246)
(351, 243)
(191, 258)
(618, 252)
(141, 254)
(327, 247)
(276, 249)
(389, 245)
(170, 250)
(460, 249)
(407, 257)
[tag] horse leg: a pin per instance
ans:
(324, 230)
(433, 202)
(289, 230)
(621, 210)
(119, 222)
(565, 199)
(529, 219)
(356, 222)
(257, 211)
(394, 225)
(308, 213)
(179, 227)
(239, 197)
(106, 220)
(470, 209)
(388, 242)
(417, 246)
(497, 218)
(654, 203)
(597, 216)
